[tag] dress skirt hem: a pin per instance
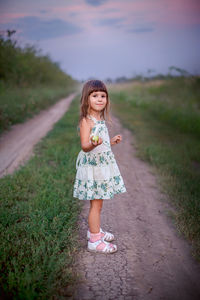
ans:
(96, 197)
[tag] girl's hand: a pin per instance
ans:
(96, 143)
(116, 139)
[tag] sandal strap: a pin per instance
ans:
(107, 235)
(109, 248)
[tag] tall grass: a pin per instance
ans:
(29, 82)
(27, 66)
(38, 217)
(17, 105)
(165, 119)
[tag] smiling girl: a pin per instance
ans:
(98, 176)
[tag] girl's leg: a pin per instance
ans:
(94, 218)
(94, 226)
(95, 215)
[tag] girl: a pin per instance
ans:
(98, 176)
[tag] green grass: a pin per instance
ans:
(38, 217)
(29, 82)
(19, 104)
(27, 66)
(165, 120)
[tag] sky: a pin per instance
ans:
(109, 38)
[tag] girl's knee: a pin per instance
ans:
(96, 204)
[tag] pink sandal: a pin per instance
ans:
(108, 236)
(101, 246)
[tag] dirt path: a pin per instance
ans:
(16, 145)
(152, 261)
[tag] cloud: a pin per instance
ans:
(110, 10)
(73, 14)
(95, 2)
(141, 29)
(116, 22)
(34, 28)
(43, 11)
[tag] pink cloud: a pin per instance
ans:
(180, 12)
(161, 12)
(72, 8)
(6, 18)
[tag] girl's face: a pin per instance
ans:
(97, 101)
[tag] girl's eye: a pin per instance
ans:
(103, 96)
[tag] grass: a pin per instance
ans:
(38, 217)
(29, 82)
(27, 66)
(165, 119)
(19, 104)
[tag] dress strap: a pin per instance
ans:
(92, 118)
(95, 120)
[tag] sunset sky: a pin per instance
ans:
(109, 38)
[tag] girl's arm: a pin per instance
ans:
(116, 139)
(86, 143)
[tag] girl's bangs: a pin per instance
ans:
(96, 86)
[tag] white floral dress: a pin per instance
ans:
(98, 176)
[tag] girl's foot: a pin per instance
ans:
(107, 236)
(102, 246)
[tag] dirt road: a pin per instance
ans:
(152, 261)
(16, 145)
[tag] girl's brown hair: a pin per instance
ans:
(88, 88)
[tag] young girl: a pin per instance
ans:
(98, 176)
